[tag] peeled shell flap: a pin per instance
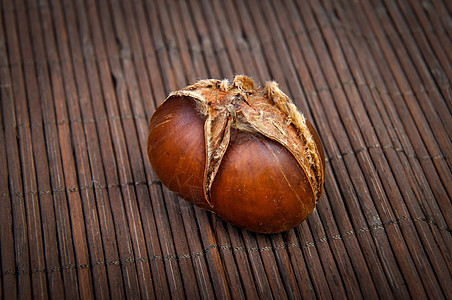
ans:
(266, 111)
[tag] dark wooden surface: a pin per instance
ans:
(82, 214)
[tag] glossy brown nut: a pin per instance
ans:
(258, 183)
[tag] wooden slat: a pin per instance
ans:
(9, 279)
(79, 109)
(290, 38)
(428, 42)
(19, 217)
(422, 70)
(395, 198)
(54, 239)
(77, 162)
(84, 215)
(418, 115)
(113, 81)
(106, 184)
(310, 58)
(157, 83)
(399, 115)
(30, 195)
(55, 115)
(441, 10)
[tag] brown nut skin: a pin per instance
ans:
(259, 185)
(176, 149)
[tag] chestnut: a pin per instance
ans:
(244, 153)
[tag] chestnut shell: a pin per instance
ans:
(259, 185)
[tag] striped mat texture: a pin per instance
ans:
(82, 215)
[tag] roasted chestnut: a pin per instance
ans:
(246, 154)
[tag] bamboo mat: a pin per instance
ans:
(83, 215)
